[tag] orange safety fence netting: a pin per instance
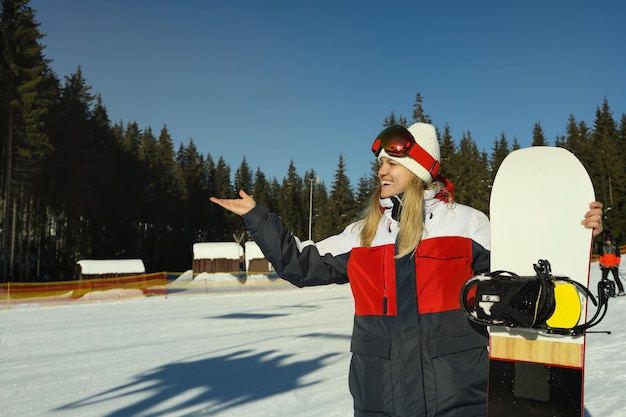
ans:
(82, 290)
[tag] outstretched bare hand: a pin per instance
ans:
(238, 206)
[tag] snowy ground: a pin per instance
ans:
(265, 353)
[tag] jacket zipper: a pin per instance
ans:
(385, 293)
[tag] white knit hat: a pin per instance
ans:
(425, 136)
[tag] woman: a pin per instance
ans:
(414, 353)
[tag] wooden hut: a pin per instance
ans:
(255, 260)
(108, 268)
(214, 257)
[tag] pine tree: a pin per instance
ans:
(539, 139)
(473, 176)
(321, 212)
(110, 222)
(195, 208)
(342, 203)
(71, 171)
(275, 190)
(221, 180)
(619, 204)
(168, 190)
(262, 191)
(27, 89)
(418, 110)
(223, 223)
(609, 182)
(447, 152)
(131, 139)
(392, 120)
(243, 177)
(364, 192)
(131, 190)
(291, 207)
(148, 196)
(578, 140)
(499, 151)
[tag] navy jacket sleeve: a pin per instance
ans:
(301, 264)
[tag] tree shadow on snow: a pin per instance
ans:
(209, 385)
(252, 315)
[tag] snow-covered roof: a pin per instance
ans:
(253, 251)
(111, 266)
(217, 250)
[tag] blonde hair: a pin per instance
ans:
(411, 222)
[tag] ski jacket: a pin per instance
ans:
(610, 256)
(414, 353)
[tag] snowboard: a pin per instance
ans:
(539, 197)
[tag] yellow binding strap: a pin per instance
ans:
(568, 309)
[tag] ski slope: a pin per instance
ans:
(268, 353)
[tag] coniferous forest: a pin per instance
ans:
(76, 186)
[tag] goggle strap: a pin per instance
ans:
(376, 147)
(425, 159)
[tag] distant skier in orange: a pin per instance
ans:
(610, 259)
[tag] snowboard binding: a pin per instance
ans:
(542, 302)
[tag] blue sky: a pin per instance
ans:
(281, 80)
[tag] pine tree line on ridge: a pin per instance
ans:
(74, 185)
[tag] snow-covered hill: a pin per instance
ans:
(265, 353)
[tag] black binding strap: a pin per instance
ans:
(527, 302)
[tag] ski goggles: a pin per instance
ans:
(397, 141)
